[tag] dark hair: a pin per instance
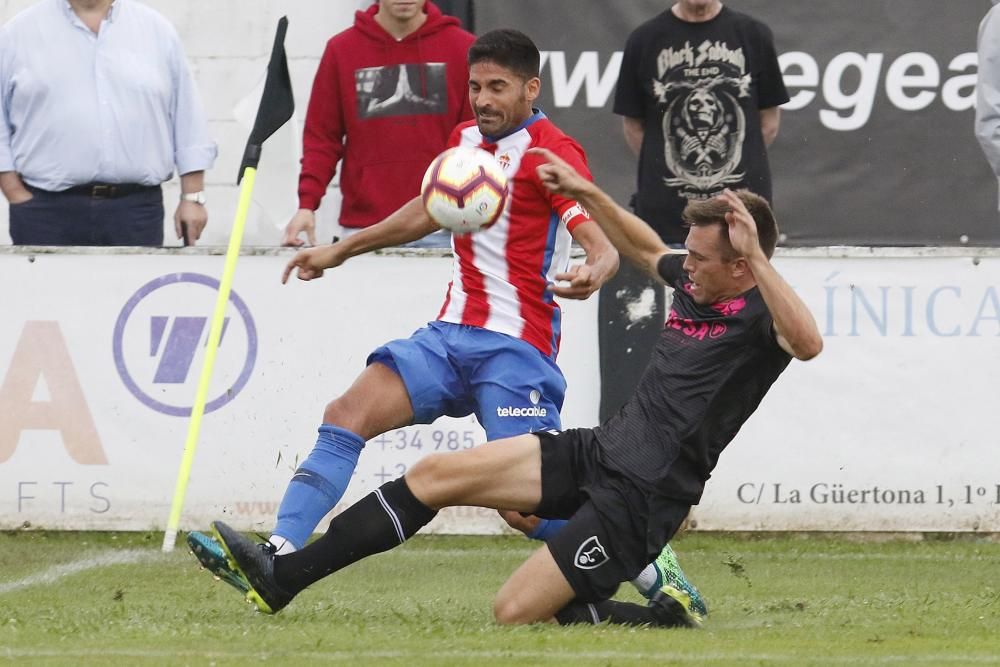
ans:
(713, 212)
(508, 48)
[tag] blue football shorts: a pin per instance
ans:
(458, 370)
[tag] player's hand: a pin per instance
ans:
(311, 263)
(583, 281)
(304, 220)
(742, 228)
(192, 217)
(517, 521)
(558, 176)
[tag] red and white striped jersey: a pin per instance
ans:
(501, 273)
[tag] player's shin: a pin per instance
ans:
(378, 522)
(318, 485)
(662, 612)
(611, 611)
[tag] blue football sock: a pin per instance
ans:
(318, 484)
(546, 528)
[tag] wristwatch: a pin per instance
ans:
(196, 197)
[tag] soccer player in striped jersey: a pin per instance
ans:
(493, 346)
(626, 485)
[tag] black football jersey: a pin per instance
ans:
(708, 373)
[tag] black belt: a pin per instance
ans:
(107, 190)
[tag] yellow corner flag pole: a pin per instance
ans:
(214, 334)
(277, 104)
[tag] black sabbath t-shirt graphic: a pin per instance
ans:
(700, 89)
(401, 90)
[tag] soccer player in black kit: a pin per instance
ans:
(626, 485)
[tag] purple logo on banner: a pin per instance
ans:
(175, 341)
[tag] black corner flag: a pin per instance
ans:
(277, 104)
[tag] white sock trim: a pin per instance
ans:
(282, 545)
(392, 515)
(647, 579)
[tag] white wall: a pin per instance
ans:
(894, 427)
(227, 44)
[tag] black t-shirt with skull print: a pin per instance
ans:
(698, 89)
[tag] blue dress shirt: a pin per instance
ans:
(119, 106)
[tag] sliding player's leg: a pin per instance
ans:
(519, 390)
(376, 402)
(502, 474)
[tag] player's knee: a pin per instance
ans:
(508, 610)
(436, 481)
(340, 412)
(428, 471)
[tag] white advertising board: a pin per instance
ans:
(894, 427)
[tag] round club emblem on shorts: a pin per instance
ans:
(591, 554)
(535, 396)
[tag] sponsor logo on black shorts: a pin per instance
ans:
(591, 554)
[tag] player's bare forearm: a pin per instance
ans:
(603, 260)
(793, 322)
(633, 238)
(409, 223)
(600, 266)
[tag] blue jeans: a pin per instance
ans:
(54, 218)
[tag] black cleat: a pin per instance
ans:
(672, 609)
(255, 562)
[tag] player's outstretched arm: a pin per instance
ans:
(601, 265)
(633, 238)
(796, 327)
(409, 223)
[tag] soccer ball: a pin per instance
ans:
(464, 190)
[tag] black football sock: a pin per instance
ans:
(383, 519)
(612, 611)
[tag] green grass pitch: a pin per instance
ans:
(88, 598)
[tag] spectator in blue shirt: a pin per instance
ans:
(97, 109)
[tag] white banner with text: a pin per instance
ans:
(893, 428)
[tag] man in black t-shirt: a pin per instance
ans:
(698, 90)
(626, 486)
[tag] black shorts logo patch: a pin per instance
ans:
(591, 554)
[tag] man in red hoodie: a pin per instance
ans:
(387, 94)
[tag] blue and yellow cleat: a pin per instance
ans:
(211, 557)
